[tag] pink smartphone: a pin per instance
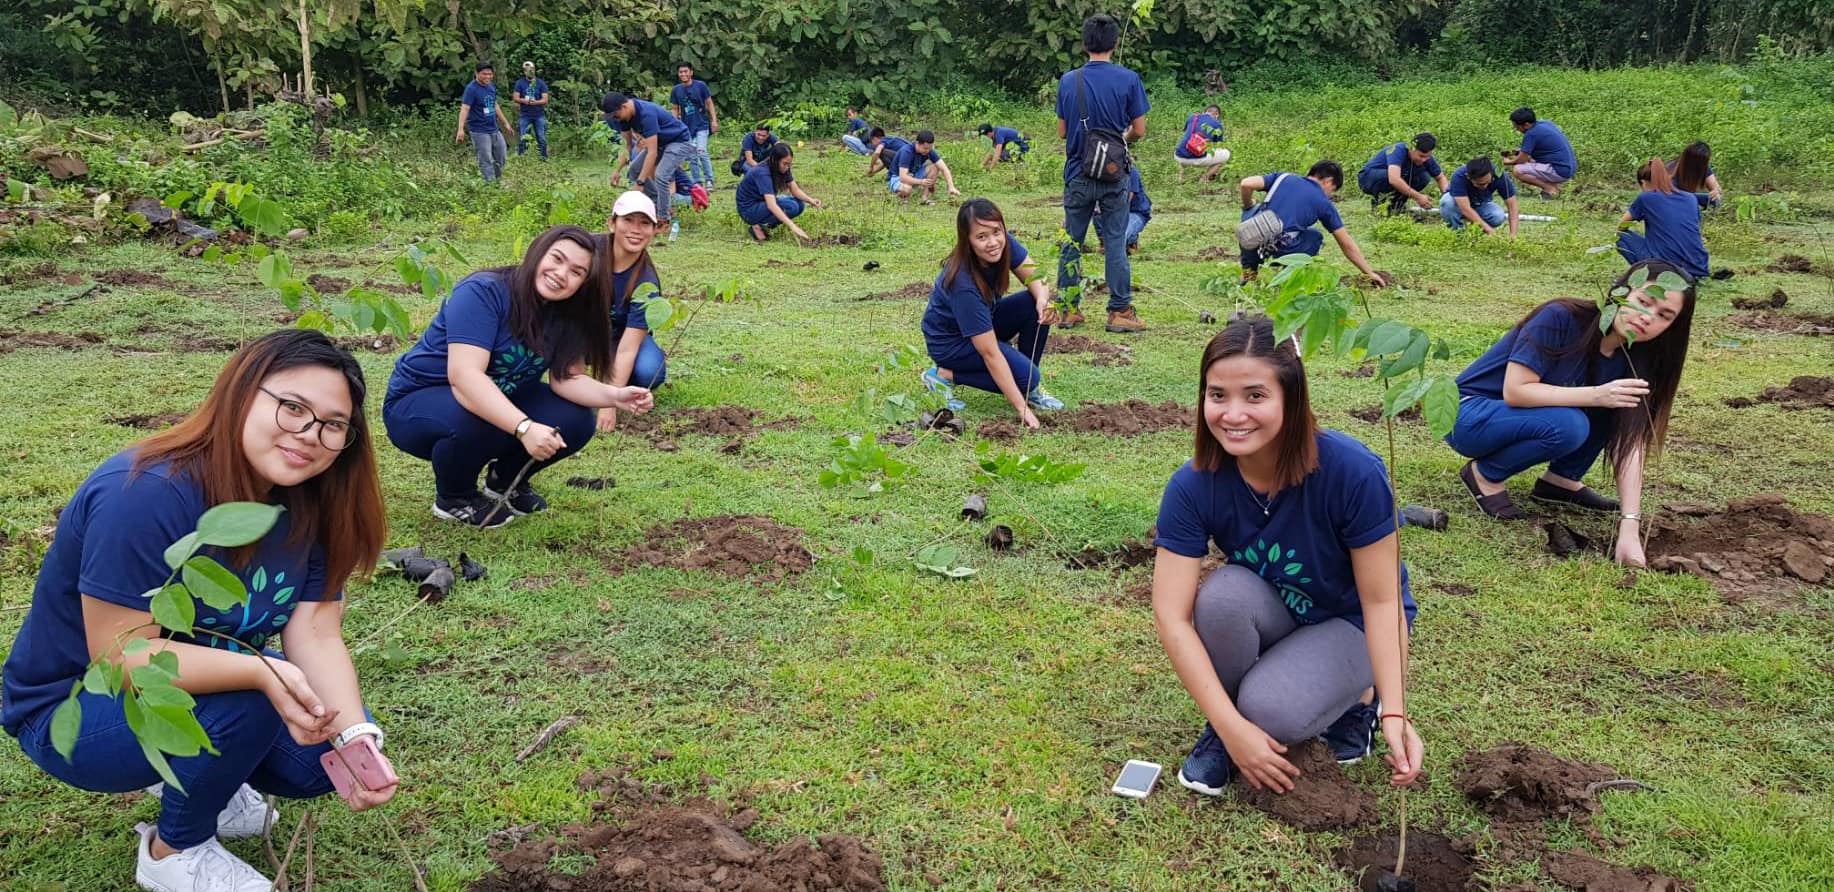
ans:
(358, 761)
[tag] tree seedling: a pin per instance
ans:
(863, 465)
(1025, 468)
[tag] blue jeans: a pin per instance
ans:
(491, 151)
(1082, 198)
(540, 128)
(855, 144)
(1506, 440)
(1015, 319)
(1492, 212)
(429, 424)
(1306, 241)
(1635, 247)
(256, 750)
(762, 215)
(700, 166)
(651, 367)
(1135, 223)
(661, 186)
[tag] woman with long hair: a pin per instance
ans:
(978, 334)
(768, 195)
(1693, 172)
(1556, 390)
(1300, 634)
(284, 424)
(469, 394)
(636, 359)
(1671, 224)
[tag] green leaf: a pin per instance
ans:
(212, 254)
(409, 271)
(158, 760)
(1387, 336)
(862, 555)
(165, 660)
(213, 584)
(177, 200)
(267, 217)
(1403, 395)
(658, 313)
(135, 645)
(1607, 316)
(173, 608)
(182, 550)
(166, 695)
(67, 722)
(316, 321)
(95, 680)
(180, 724)
(268, 271)
(1440, 406)
(1441, 350)
(1292, 569)
(234, 524)
(1412, 358)
(1669, 281)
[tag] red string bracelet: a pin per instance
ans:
(1395, 715)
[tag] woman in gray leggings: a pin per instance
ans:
(1299, 634)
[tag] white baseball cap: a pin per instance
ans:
(528, 65)
(634, 202)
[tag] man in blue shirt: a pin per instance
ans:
(1398, 173)
(483, 121)
(1474, 185)
(1207, 127)
(532, 98)
(916, 167)
(692, 102)
(882, 150)
(1099, 96)
(754, 149)
(1546, 158)
(1008, 145)
(1300, 202)
(857, 132)
(658, 145)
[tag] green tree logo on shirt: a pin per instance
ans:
(1276, 565)
(515, 365)
(243, 623)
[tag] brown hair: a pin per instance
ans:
(1692, 169)
(1655, 173)
(1298, 442)
(567, 332)
(339, 510)
(991, 281)
(604, 273)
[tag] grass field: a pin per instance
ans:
(968, 729)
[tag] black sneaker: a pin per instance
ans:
(1208, 768)
(1352, 736)
(476, 511)
(522, 500)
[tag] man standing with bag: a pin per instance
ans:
(1101, 109)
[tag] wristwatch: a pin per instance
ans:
(355, 731)
(522, 427)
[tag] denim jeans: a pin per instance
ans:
(762, 216)
(256, 750)
(669, 158)
(700, 167)
(1374, 184)
(651, 368)
(1015, 319)
(1082, 198)
(1135, 223)
(540, 128)
(1506, 440)
(1306, 241)
(429, 424)
(855, 144)
(492, 153)
(1492, 212)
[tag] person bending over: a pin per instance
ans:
(284, 424)
(469, 393)
(769, 195)
(1008, 145)
(1546, 157)
(1299, 635)
(659, 145)
(1299, 202)
(1671, 224)
(881, 150)
(1557, 391)
(1197, 147)
(1472, 198)
(1397, 173)
(977, 334)
(636, 359)
(916, 167)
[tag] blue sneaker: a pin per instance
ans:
(1208, 768)
(1352, 736)
(1038, 399)
(933, 379)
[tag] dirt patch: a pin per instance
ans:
(157, 422)
(324, 284)
(1803, 392)
(38, 272)
(1373, 415)
(1083, 344)
(642, 842)
(1792, 263)
(1434, 863)
(731, 545)
(1129, 418)
(1588, 874)
(1131, 553)
(1515, 782)
(13, 340)
(719, 421)
(1777, 299)
(375, 343)
(842, 240)
(133, 277)
(1756, 549)
(1322, 797)
(201, 343)
(1813, 324)
(908, 292)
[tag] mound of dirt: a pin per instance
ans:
(1131, 553)
(1588, 874)
(718, 421)
(1082, 344)
(1792, 263)
(1755, 549)
(1124, 419)
(645, 843)
(1812, 324)
(157, 422)
(324, 284)
(732, 545)
(1322, 797)
(1777, 300)
(1434, 863)
(132, 277)
(1517, 782)
(1803, 392)
(908, 292)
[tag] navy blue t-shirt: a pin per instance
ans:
(1300, 202)
(110, 545)
(1302, 545)
(889, 147)
(1548, 144)
(909, 158)
(692, 97)
(1537, 344)
(957, 310)
(1206, 124)
(1671, 222)
(755, 185)
(653, 120)
(483, 103)
(1003, 135)
(1139, 203)
(857, 125)
(1397, 155)
(477, 313)
(629, 312)
(759, 150)
(1500, 187)
(1113, 96)
(532, 89)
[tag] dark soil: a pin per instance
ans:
(1756, 549)
(1515, 782)
(1124, 419)
(1361, 371)
(13, 340)
(39, 272)
(1218, 252)
(719, 421)
(375, 343)
(1132, 553)
(1373, 415)
(908, 292)
(1322, 798)
(844, 239)
(1574, 870)
(132, 277)
(643, 842)
(731, 545)
(1813, 324)
(897, 437)
(1803, 392)
(192, 342)
(394, 287)
(1082, 344)
(1434, 863)
(149, 422)
(1777, 300)
(324, 284)
(1792, 263)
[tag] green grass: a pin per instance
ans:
(971, 728)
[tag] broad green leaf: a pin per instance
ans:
(179, 722)
(152, 674)
(862, 555)
(267, 272)
(258, 250)
(173, 609)
(15, 189)
(166, 695)
(1669, 281)
(658, 313)
(1412, 358)
(291, 292)
(212, 254)
(182, 550)
(67, 722)
(158, 760)
(396, 318)
(1403, 395)
(213, 584)
(1440, 405)
(95, 680)
(1442, 350)
(1607, 316)
(165, 660)
(409, 271)
(1387, 336)
(234, 524)
(135, 645)
(316, 321)
(177, 200)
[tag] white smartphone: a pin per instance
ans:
(1137, 779)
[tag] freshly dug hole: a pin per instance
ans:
(1124, 419)
(1434, 863)
(1803, 392)
(1754, 550)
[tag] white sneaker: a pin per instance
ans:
(204, 868)
(246, 815)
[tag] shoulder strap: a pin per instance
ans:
(1082, 105)
(1276, 186)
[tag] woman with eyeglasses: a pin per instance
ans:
(284, 425)
(469, 396)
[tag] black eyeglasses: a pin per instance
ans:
(296, 417)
